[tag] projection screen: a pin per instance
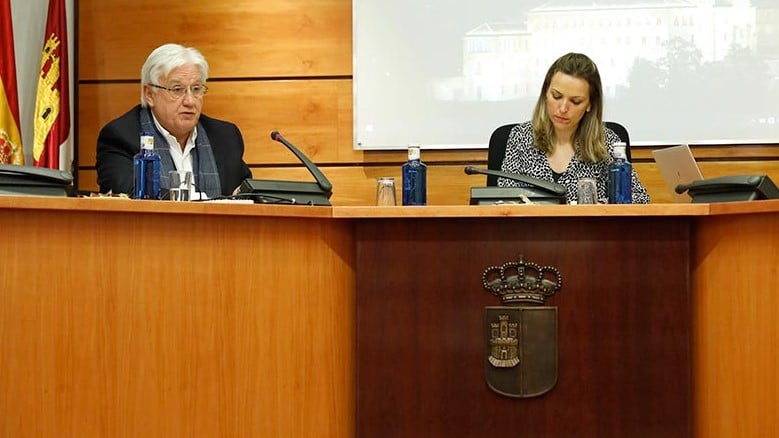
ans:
(444, 74)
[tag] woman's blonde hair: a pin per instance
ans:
(589, 133)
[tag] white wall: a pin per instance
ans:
(29, 21)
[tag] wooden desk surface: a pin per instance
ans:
(359, 212)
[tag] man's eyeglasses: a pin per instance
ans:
(177, 92)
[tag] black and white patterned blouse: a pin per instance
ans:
(523, 157)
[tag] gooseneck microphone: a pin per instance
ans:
(271, 191)
(320, 177)
(552, 187)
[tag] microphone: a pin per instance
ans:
(320, 177)
(268, 191)
(552, 187)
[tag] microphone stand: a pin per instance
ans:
(531, 190)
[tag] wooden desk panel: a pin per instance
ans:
(233, 325)
(624, 327)
(736, 328)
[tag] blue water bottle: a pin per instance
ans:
(620, 177)
(146, 170)
(414, 174)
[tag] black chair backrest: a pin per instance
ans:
(622, 133)
(497, 146)
(497, 150)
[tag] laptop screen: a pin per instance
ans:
(677, 166)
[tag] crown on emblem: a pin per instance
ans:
(522, 282)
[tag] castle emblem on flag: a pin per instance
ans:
(521, 335)
(47, 107)
(51, 122)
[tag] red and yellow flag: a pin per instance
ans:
(52, 105)
(11, 151)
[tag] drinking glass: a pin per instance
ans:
(587, 191)
(180, 184)
(385, 191)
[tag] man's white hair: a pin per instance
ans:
(167, 57)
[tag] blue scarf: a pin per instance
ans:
(206, 175)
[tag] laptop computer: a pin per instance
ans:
(677, 166)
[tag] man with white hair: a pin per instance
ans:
(173, 85)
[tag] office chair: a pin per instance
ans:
(497, 150)
(497, 146)
(622, 133)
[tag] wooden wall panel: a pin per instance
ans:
(312, 114)
(240, 38)
(715, 152)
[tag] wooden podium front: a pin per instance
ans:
(667, 319)
(123, 318)
(142, 318)
(623, 326)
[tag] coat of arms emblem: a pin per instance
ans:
(521, 335)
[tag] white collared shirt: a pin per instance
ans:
(182, 159)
